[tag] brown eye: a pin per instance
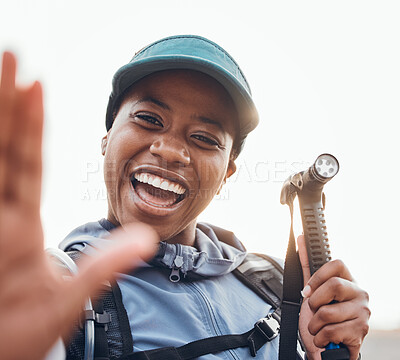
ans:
(152, 120)
(206, 140)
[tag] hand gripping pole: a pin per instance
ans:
(308, 186)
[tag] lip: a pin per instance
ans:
(151, 209)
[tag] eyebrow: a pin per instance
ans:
(154, 101)
(207, 120)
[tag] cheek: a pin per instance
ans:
(110, 170)
(116, 160)
(122, 146)
(211, 173)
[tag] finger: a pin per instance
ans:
(24, 148)
(305, 265)
(8, 71)
(332, 314)
(29, 148)
(334, 268)
(133, 244)
(349, 333)
(7, 105)
(334, 289)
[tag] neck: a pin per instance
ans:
(185, 236)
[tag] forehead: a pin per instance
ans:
(183, 77)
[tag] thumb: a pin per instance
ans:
(305, 265)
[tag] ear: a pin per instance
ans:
(229, 172)
(104, 142)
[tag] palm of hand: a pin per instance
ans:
(36, 304)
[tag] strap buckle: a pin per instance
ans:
(101, 319)
(268, 328)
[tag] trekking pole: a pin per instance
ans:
(309, 187)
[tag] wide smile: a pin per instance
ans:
(158, 193)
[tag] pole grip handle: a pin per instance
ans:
(318, 251)
(340, 353)
(315, 233)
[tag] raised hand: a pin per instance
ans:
(36, 304)
(345, 321)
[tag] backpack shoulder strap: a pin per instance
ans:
(112, 339)
(264, 275)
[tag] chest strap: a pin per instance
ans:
(266, 329)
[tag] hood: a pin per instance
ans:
(216, 251)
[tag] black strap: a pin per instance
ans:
(100, 336)
(99, 316)
(291, 301)
(123, 320)
(264, 330)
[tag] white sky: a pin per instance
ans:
(325, 77)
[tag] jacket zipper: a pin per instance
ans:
(211, 314)
(175, 275)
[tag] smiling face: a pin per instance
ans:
(168, 152)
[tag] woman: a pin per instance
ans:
(176, 121)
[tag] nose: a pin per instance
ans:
(170, 150)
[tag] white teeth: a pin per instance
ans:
(160, 183)
(179, 189)
(164, 185)
(170, 187)
(157, 182)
